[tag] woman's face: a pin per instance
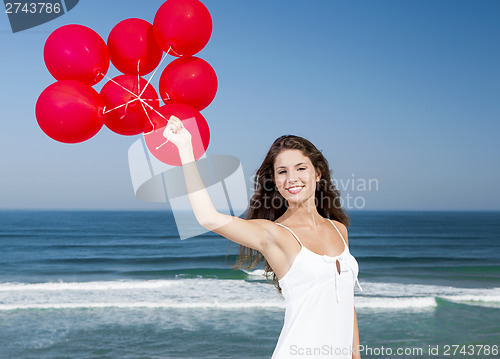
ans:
(295, 176)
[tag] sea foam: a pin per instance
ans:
(221, 293)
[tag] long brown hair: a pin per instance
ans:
(268, 203)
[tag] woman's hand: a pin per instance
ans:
(176, 133)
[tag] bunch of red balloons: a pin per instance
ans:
(71, 110)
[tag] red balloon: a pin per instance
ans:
(189, 80)
(192, 120)
(131, 43)
(75, 52)
(184, 25)
(70, 111)
(129, 119)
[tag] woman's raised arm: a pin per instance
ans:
(254, 233)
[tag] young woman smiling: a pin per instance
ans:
(296, 222)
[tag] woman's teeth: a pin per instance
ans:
(295, 190)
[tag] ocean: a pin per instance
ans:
(121, 284)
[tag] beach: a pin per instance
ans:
(121, 284)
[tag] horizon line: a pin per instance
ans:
(187, 210)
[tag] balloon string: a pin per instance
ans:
(147, 104)
(159, 114)
(125, 111)
(143, 102)
(126, 89)
(175, 53)
(154, 72)
(147, 114)
(168, 139)
(138, 97)
(144, 89)
(138, 76)
(149, 118)
(117, 107)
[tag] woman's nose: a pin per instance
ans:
(292, 178)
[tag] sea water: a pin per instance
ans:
(121, 284)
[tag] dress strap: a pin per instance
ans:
(279, 224)
(341, 236)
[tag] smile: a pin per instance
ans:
(294, 189)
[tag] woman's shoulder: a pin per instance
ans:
(277, 236)
(269, 225)
(341, 226)
(342, 229)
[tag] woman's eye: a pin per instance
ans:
(285, 171)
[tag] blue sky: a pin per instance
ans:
(402, 93)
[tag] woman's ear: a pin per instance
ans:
(318, 175)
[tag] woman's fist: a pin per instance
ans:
(176, 133)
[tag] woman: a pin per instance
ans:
(306, 252)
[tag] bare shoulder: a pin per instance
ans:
(276, 239)
(268, 225)
(271, 228)
(343, 229)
